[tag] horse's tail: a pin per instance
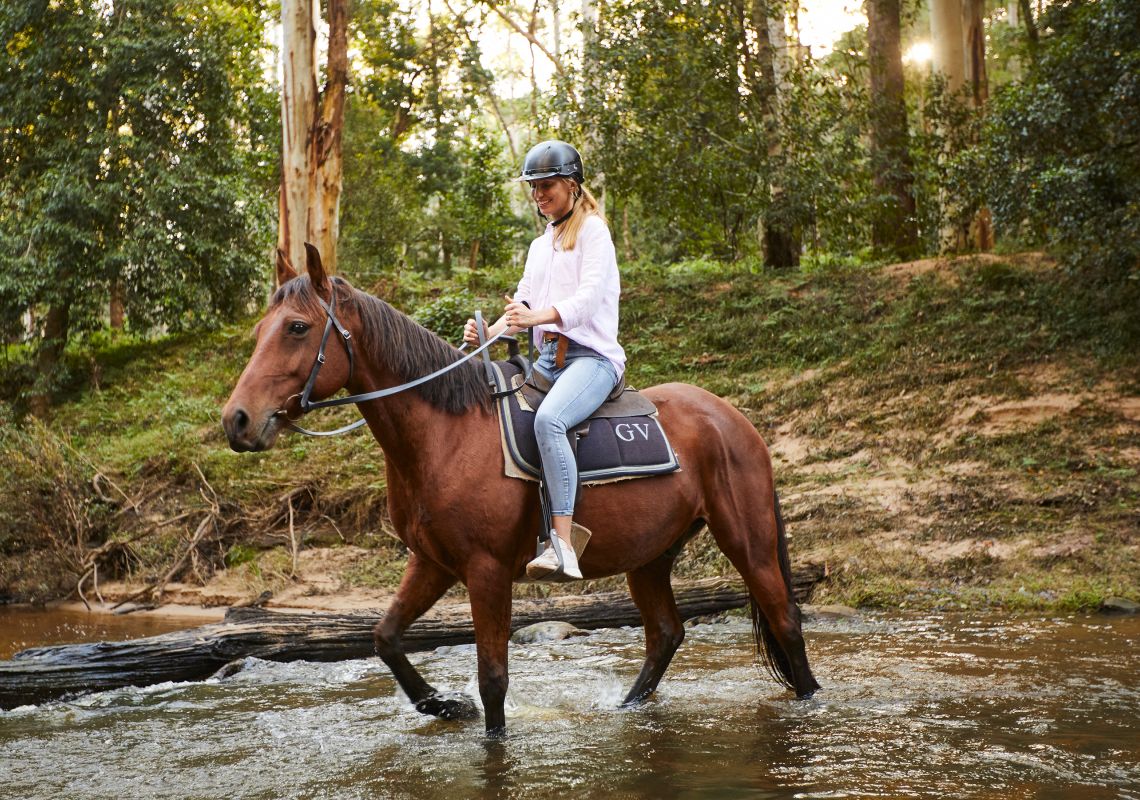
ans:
(768, 649)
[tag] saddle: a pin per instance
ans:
(623, 401)
(623, 439)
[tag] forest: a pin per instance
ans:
(877, 247)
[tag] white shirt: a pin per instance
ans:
(581, 284)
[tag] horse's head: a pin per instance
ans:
(288, 339)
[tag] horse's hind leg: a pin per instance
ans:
(747, 530)
(423, 584)
(649, 585)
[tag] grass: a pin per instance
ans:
(871, 369)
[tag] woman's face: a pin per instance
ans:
(555, 196)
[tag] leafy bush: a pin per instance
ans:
(1061, 148)
(447, 314)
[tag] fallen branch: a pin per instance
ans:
(207, 523)
(158, 587)
(47, 673)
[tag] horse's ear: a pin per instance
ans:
(315, 269)
(285, 271)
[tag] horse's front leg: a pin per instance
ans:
(489, 585)
(423, 584)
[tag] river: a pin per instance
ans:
(917, 705)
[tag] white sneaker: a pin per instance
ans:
(546, 565)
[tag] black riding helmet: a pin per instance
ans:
(550, 158)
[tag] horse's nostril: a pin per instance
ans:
(241, 420)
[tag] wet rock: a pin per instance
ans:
(829, 611)
(551, 631)
(707, 619)
(229, 670)
(1120, 605)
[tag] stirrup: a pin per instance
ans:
(579, 538)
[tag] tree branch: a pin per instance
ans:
(530, 37)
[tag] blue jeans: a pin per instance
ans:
(583, 384)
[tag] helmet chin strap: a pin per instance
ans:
(563, 218)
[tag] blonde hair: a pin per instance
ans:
(585, 204)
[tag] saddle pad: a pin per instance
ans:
(614, 448)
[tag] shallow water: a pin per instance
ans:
(22, 627)
(915, 706)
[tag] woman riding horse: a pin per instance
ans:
(568, 296)
(464, 519)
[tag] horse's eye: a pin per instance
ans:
(298, 328)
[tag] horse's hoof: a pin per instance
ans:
(449, 705)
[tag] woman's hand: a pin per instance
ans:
(518, 315)
(471, 332)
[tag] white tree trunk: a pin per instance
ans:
(949, 42)
(778, 38)
(311, 125)
(557, 29)
(298, 109)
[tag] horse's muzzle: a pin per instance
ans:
(247, 436)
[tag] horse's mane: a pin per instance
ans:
(406, 347)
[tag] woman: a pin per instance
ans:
(568, 296)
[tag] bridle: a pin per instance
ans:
(305, 394)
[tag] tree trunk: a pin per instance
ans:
(626, 238)
(298, 111)
(473, 255)
(973, 12)
(325, 141)
(117, 311)
(56, 325)
(981, 234)
(950, 60)
(556, 28)
(45, 673)
(1030, 24)
(894, 226)
(946, 34)
(780, 244)
(311, 126)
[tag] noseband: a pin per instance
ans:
(308, 405)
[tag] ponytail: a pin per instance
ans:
(585, 204)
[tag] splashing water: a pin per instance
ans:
(918, 706)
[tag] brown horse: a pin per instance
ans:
(463, 520)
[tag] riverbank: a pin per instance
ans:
(945, 434)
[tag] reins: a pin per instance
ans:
(308, 405)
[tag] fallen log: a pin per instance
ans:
(47, 673)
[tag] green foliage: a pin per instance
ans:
(239, 554)
(663, 96)
(1060, 155)
(382, 213)
(447, 314)
(949, 180)
(477, 202)
(682, 113)
(134, 151)
(425, 179)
